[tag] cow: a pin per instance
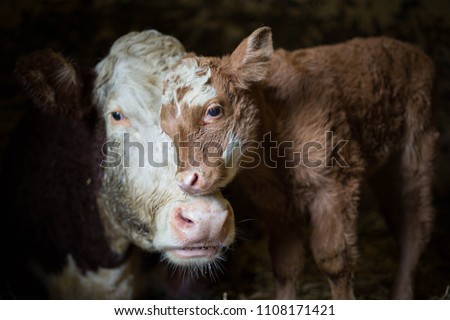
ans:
(87, 179)
(299, 132)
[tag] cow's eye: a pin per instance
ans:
(214, 111)
(118, 116)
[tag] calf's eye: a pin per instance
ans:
(118, 116)
(214, 111)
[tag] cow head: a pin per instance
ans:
(139, 201)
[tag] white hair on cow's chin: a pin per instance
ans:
(188, 272)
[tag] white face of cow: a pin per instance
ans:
(140, 195)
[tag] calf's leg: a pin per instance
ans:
(333, 239)
(417, 211)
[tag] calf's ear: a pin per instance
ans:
(55, 85)
(251, 59)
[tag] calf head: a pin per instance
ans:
(210, 112)
(137, 198)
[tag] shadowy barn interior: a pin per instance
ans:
(85, 30)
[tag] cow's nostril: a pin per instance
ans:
(185, 219)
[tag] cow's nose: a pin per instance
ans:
(199, 222)
(190, 182)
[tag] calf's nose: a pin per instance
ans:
(190, 182)
(187, 179)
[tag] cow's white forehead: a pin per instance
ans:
(134, 69)
(189, 74)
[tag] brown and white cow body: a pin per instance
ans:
(309, 126)
(80, 222)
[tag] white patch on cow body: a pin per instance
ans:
(189, 74)
(72, 283)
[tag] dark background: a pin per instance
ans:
(84, 30)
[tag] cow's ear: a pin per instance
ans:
(251, 59)
(55, 84)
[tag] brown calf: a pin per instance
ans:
(312, 124)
